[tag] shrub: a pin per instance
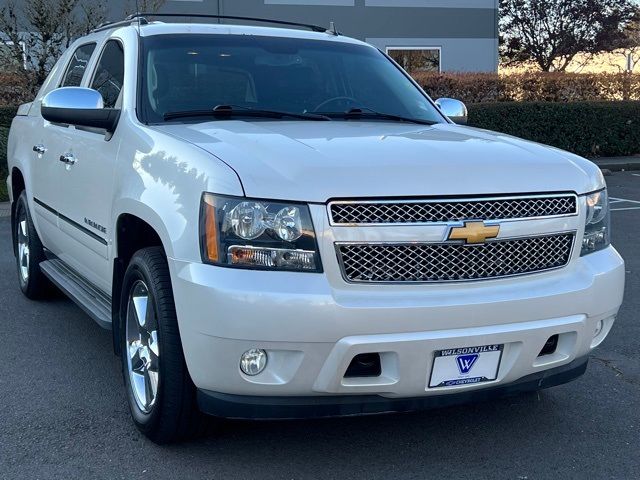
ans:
(4, 134)
(6, 116)
(16, 89)
(589, 129)
(531, 87)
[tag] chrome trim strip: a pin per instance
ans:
(337, 246)
(449, 200)
(84, 230)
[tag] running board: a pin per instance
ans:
(94, 302)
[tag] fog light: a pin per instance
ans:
(253, 361)
(599, 327)
(601, 330)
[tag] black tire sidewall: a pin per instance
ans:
(139, 271)
(20, 208)
(35, 285)
(174, 415)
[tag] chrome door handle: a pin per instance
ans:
(40, 149)
(68, 159)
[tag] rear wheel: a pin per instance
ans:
(29, 253)
(161, 395)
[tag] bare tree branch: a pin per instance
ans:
(551, 33)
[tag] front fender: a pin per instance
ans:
(160, 179)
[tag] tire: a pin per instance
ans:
(29, 253)
(160, 393)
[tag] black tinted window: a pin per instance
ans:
(78, 65)
(109, 75)
(199, 72)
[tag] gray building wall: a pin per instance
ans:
(465, 31)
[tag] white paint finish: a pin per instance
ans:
(326, 3)
(161, 173)
(411, 321)
(433, 3)
(457, 54)
(222, 29)
(425, 159)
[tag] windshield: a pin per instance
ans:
(187, 72)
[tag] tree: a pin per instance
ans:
(631, 48)
(147, 6)
(35, 32)
(550, 33)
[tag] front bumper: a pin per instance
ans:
(312, 328)
(281, 408)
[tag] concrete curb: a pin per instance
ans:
(618, 164)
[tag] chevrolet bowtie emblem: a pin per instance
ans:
(474, 232)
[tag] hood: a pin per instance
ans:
(318, 161)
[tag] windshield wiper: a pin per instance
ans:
(228, 111)
(364, 112)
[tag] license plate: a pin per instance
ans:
(465, 366)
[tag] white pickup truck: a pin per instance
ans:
(280, 223)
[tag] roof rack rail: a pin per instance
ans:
(143, 15)
(120, 23)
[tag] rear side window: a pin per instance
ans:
(78, 65)
(109, 76)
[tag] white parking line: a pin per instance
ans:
(617, 200)
(623, 204)
(623, 209)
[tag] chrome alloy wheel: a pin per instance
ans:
(23, 247)
(143, 353)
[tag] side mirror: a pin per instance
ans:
(79, 106)
(454, 109)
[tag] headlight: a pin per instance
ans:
(597, 231)
(240, 232)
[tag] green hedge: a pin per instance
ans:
(4, 134)
(6, 116)
(590, 129)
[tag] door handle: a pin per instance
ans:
(68, 159)
(40, 149)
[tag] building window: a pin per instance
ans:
(417, 59)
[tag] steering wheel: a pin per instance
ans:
(335, 99)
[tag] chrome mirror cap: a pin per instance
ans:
(82, 107)
(455, 110)
(76, 98)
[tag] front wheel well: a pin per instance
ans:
(17, 183)
(132, 234)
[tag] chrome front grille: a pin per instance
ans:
(436, 211)
(447, 262)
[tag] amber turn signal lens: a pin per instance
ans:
(211, 231)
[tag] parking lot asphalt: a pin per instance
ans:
(63, 413)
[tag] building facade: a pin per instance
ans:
(432, 35)
(440, 35)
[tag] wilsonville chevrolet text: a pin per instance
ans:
(280, 223)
